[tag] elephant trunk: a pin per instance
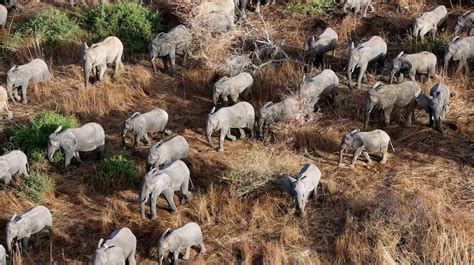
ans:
(447, 58)
(341, 152)
(86, 76)
(438, 124)
(300, 204)
(123, 135)
(261, 127)
(349, 75)
(215, 97)
(367, 110)
(392, 75)
(456, 30)
(209, 130)
(143, 200)
(9, 243)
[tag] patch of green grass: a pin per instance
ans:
(116, 172)
(35, 187)
(309, 7)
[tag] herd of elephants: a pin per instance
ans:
(167, 173)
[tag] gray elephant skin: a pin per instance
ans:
(459, 49)
(373, 50)
(165, 152)
(386, 97)
(167, 45)
(3, 17)
(96, 58)
(175, 177)
(142, 124)
(436, 105)
(173, 241)
(356, 5)
(232, 87)
(12, 163)
(376, 141)
(239, 116)
(88, 137)
(118, 249)
(4, 106)
(18, 77)
(323, 84)
(465, 21)
(271, 113)
(324, 42)
(21, 228)
(3, 256)
(429, 22)
(412, 64)
(303, 186)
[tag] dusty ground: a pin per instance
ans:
(416, 208)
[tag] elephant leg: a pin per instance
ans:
(366, 155)
(384, 155)
(153, 200)
(138, 138)
(78, 157)
(7, 178)
(118, 67)
(175, 257)
(365, 80)
(202, 249)
(242, 133)
(165, 63)
(257, 9)
(356, 155)
(187, 195)
(24, 243)
(410, 111)
(23, 93)
(131, 259)
(101, 150)
(67, 159)
(386, 113)
(147, 138)
(169, 198)
(431, 120)
(466, 66)
(222, 134)
(102, 72)
(186, 254)
(412, 76)
(230, 136)
(361, 74)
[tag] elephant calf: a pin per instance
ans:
(412, 64)
(375, 141)
(175, 177)
(18, 77)
(386, 97)
(88, 137)
(429, 22)
(465, 21)
(21, 228)
(305, 184)
(240, 116)
(324, 42)
(356, 5)
(323, 84)
(12, 163)
(4, 107)
(232, 87)
(275, 112)
(173, 241)
(118, 249)
(165, 152)
(142, 124)
(167, 45)
(435, 104)
(459, 49)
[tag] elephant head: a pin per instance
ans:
(452, 51)
(349, 141)
(437, 111)
(212, 123)
(159, 47)
(399, 63)
(105, 254)
(461, 22)
(128, 126)
(54, 143)
(301, 193)
(13, 80)
(17, 228)
(148, 186)
(417, 26)
(167, 244)
(353, 62)
(88, 61)
(371, 100)
(218, 89)
(153, 156)
(264, 118)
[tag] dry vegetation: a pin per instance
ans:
(417, 208)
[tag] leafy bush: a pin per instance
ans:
(135, 25)
(116, 172)
(35, 187)
(33, 138)
(308, 7)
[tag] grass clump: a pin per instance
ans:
(309, 7)
(35, 187)
(33, 138)
(134, 24)
(117, 171)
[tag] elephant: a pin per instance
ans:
(417, 63)
(356, 5)
(301, 188)
(459, 49)
(323, 84)
(373, 50)
(275, 112)
(88, 137)
(324, 42)
(465, 21)
(142, 124)
(232, 87)
(175, 177)
(375, 141)
(386, 97)
(239, 116)
(18, 77)
(4, 107)
(30, 223)
(167, 151)
(3, 256)
(96, 58)
(3, 17)
(429, 22)
(173, 241)
(12, 163)
(118, 249)
(435, 104)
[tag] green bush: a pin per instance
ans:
(35, 187)
(33, 138)
(116, 172)
(308, 7)
(135, 25)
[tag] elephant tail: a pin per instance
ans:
(191, 182)
(390, 142)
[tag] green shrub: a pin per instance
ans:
(116, 172)
(135, 25)
(33, 138)
(35, 187)
(308, 7)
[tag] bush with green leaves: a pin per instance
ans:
(33, 138)
(308, 7)
(35, 187)
(116, 172)
(134, 24)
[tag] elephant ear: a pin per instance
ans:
(24, 229)
(455, 39)
(358, 141)
(100, 243)
(135, 115)
(165, 234)
(352, 46)
(212, 110)
(267, 104)
(400, 54)
(375, 86)
(355, 131)
(288, 185)
(406, 65)
(58, 129)
(164, 49)
(466, 13)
